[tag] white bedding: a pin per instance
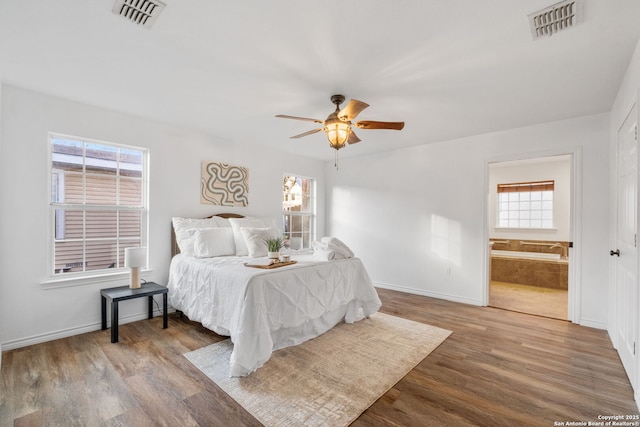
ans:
(264, 310)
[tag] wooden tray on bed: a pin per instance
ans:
(274, 265)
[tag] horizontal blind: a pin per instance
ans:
(521, 187)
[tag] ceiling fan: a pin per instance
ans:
(338, 126)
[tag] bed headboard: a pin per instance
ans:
(175, 249)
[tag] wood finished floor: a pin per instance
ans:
(529, 299)
(498, 368)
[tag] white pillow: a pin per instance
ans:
(236, 225)
(270, 222)
(255, 239)
(222, 222)
(210, 242)
(185, 228)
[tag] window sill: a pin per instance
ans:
(66, 281)
(525, 229)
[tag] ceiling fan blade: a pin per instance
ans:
(311, 132)
(353, 138)
(284, 116)
(353, 108)
(368, 124)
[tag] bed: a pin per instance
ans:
(261, 309)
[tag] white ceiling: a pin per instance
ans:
(447, 68)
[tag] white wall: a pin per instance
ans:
(556, 168)
(32, 312)
(417, 216)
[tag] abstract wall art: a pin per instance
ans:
(224, 184)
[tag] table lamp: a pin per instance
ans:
(135, 258)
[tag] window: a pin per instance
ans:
(97, 204)
(525, 205)
(298, 200)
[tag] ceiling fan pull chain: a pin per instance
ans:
(335, 163)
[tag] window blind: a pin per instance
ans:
(522, 187)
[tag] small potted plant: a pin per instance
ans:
(273, 247)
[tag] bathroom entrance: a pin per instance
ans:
(529, 224)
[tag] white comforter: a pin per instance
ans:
(264, 310)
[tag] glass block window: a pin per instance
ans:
(525, 205)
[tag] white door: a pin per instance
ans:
(626, 251)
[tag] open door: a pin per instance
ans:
(626, 250)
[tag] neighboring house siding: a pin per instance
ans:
(100, 224)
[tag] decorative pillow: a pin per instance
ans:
(210, 242)
(222, 222)
(236, 225)
(270, 222)
(255, 239)
(185, 228)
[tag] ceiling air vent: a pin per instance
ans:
(559, 17)
(142, 12)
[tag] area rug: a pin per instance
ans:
(329, 380)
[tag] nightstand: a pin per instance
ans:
(122, 293)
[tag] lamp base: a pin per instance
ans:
(135, 278)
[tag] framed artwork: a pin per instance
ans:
(224, 184)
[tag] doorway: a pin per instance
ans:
(529, 229)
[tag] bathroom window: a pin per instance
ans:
(525, 205)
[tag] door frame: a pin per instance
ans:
(575, 227)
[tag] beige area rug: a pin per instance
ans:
(329, 380)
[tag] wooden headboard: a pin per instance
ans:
(175, 249)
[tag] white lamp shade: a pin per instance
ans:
(135, 257)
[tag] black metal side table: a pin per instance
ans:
(122, 293)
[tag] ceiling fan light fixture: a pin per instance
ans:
(337, 126)
(337, 132)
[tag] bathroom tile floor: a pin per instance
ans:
(529, 299)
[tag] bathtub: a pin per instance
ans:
(529, 255)
(544, 270)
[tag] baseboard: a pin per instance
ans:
(65, 333)
(408, 290)
(593, 324)
(636, 396)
